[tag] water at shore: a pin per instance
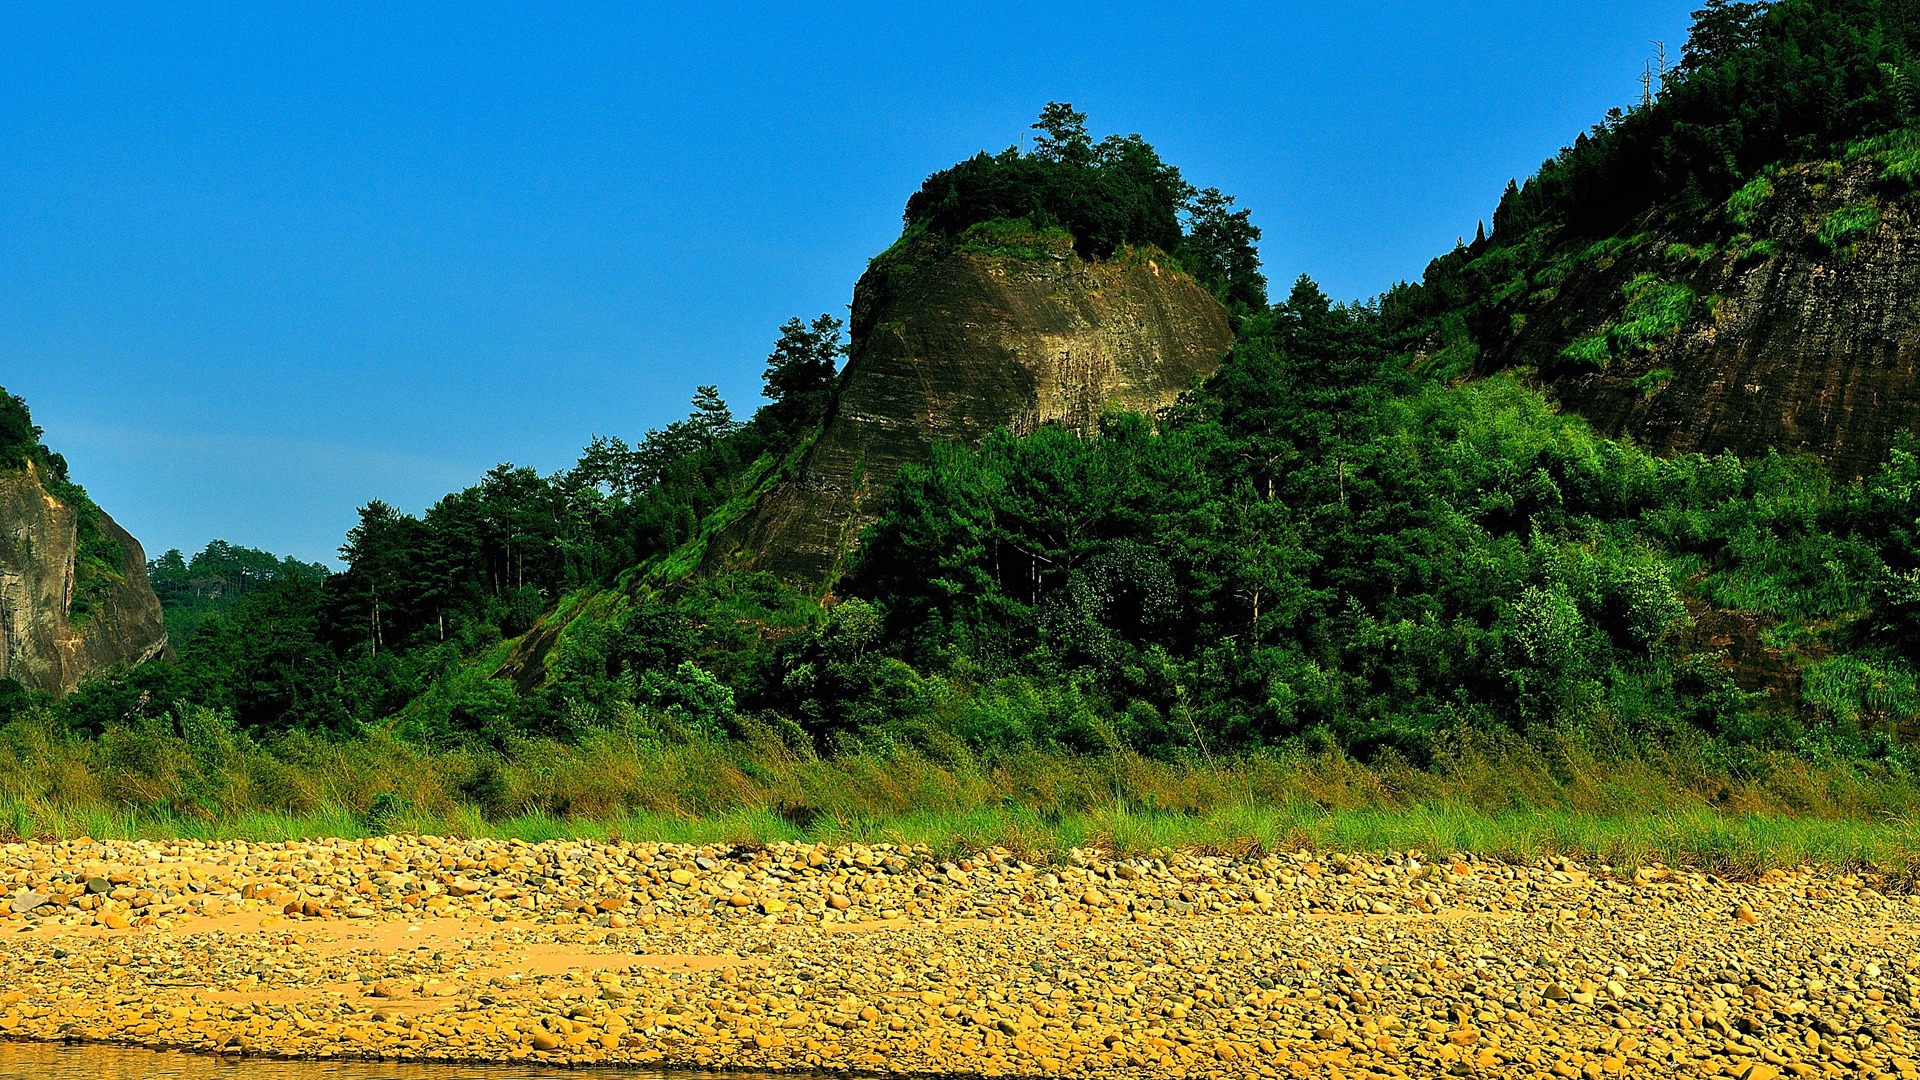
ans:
(42, 1061)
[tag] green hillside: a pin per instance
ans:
(1371, 537)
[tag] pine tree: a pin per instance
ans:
(799, 380)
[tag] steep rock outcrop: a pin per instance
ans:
(1793, 341)
(44, 643)
(954, 344)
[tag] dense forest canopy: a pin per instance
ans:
(1321, 546)
(218, 578)
(1325, 546)
(1757, 84)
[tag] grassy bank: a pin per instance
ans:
(1513, 798)
(1700, 837)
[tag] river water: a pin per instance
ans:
(40, 1061)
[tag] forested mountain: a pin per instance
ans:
(1725, 267)
(1370, 529)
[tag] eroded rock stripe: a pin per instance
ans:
(879, 959)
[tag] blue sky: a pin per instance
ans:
(262, 263)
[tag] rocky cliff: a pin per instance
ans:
(1789, 321)
(62, 617)
(954, 343)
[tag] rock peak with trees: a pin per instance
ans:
(1027, 289)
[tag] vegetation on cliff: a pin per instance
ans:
(1676, 183)
(99, 564)
(1104, 196)
(1333, 549)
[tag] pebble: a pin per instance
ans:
(886, 958)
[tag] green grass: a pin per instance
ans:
(1897, 153)
(899, 246)
(1902, 165)
(1655, 311)
(1744, 247)
(1849, 224)
(1679, 252)
(1610, 248)
(1670, 802)
(1745, 205)
(1015, 238)
(1653, 381)
(1851, 689)
(1697, 837)
(1591, 351)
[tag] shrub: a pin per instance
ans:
(692, 697)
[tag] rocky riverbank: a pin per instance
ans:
(880, 959)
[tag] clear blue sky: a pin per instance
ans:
(261, 263)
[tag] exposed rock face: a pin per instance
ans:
(954, 346)
(43, 644)
(1809, 349)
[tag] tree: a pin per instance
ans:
(612, 467)
(1720, 29)
(711, 418)
(383, 556)
(1118, 192)
(1219, 249)
(1063, 135)
(799, 378)
(1509, 218)
(19, 438)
